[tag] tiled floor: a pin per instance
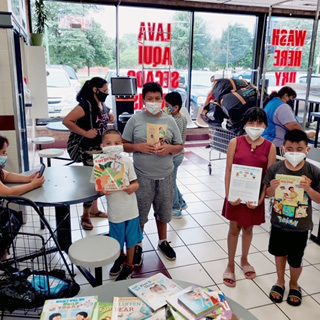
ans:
(200, 242)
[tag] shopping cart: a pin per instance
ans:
(219, 141)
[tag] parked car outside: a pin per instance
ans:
(244, 74)
(61, 93)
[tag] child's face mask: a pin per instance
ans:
(113, 149)
(294, 158)
(3, 161)
(254, 132)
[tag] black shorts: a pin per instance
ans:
(288, 243)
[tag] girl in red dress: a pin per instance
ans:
(250, 150)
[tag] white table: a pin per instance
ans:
(57, 126)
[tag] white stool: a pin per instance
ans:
(43, 140)
(94, 252)
(50, 153)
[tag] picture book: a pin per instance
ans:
(195, 296)
(156, 134)
(108, 172)
(154, 290)
(68, 308)
(130, 308)
(103, 311)
(289, 192)
(223, 312)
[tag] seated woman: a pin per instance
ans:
(28, 183)
(280, 116)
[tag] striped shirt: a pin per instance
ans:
(181, 122)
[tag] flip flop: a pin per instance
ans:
(229, 276)
(294, 293)
(86, 223)
(99, 214)
(247, 269)
(279, 290)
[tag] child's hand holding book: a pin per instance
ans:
(306, 183)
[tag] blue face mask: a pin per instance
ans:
(170, 109)
(3, 160)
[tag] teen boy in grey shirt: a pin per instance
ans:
(153, 164)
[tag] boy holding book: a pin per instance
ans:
(123, 210)
(289, 231)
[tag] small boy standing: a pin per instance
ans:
(174, 104)
(289, 231)
(123, 213)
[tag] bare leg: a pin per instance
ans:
(246, 242)
(294, 277)
(162, 229)
(280, 266)
(95, 209)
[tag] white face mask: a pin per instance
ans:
(153, 107)
(113, 149)
(254, 132)
(294, 158)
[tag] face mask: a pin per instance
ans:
(254, 132)
(101, 96)
(3, 160)
(113, 149)
(294, 158)
(170, 110)
(153, 107)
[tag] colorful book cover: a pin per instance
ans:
(224, 311)
(108, 172)
(104, 311)
(289, 192)
(130, 308)
(154, 290)
(69, 308)
(156, 134)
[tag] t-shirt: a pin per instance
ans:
(151, 166)
(181, 122)
(121, 205)
(298, 216)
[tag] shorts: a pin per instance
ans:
(288, 243)
(160, 194)
(126, 232)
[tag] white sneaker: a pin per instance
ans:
(176, 214)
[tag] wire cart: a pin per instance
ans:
(219, 141)
(33, 268)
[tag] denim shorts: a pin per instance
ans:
(126, 232)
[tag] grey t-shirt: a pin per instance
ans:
(151, 166)
(293, 217)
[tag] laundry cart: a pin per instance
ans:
(219, 141)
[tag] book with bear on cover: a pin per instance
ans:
(108, 172)
(154, 290)
(156, 134)
(130, 308)
(68, 308)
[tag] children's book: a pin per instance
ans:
(195, 299)
(223, 312)
(103, 311)
(156, 134)
(154, 290)
(130, 308)
(108, 172)
(68, 308)
(289, 192)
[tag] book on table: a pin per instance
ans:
(154, 290)
(68, 308)
(103, 311)
(108, 172)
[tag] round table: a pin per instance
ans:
(57, 126)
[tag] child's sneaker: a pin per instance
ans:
(117, 266)
(167, 250)
(184, 207)
(125, 272)
(176, 214)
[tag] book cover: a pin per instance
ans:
(69, 308)
(104, 311)
(108, 172)
(156, 134)
(223, 312)
(130, 308)
(154, 290)
(289, 192)
(173, 300)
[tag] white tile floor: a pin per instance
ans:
(199, 239)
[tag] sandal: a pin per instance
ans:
(99, 214)
(279, 290)
(249, 269)
(294, 293)
(229, 276)
(86, 223)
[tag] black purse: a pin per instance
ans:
(73, 146)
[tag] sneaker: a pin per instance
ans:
(166, 249)
(137, 258)
(184, 207)
(176, 214)
(125, 272)
(117, 266)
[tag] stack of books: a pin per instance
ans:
(156, 298)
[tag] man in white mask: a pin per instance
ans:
(154, 138)
(291, 222)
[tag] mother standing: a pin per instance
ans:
(89, 119)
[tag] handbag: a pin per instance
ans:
(73, 146)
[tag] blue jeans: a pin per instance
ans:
(178, 201)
